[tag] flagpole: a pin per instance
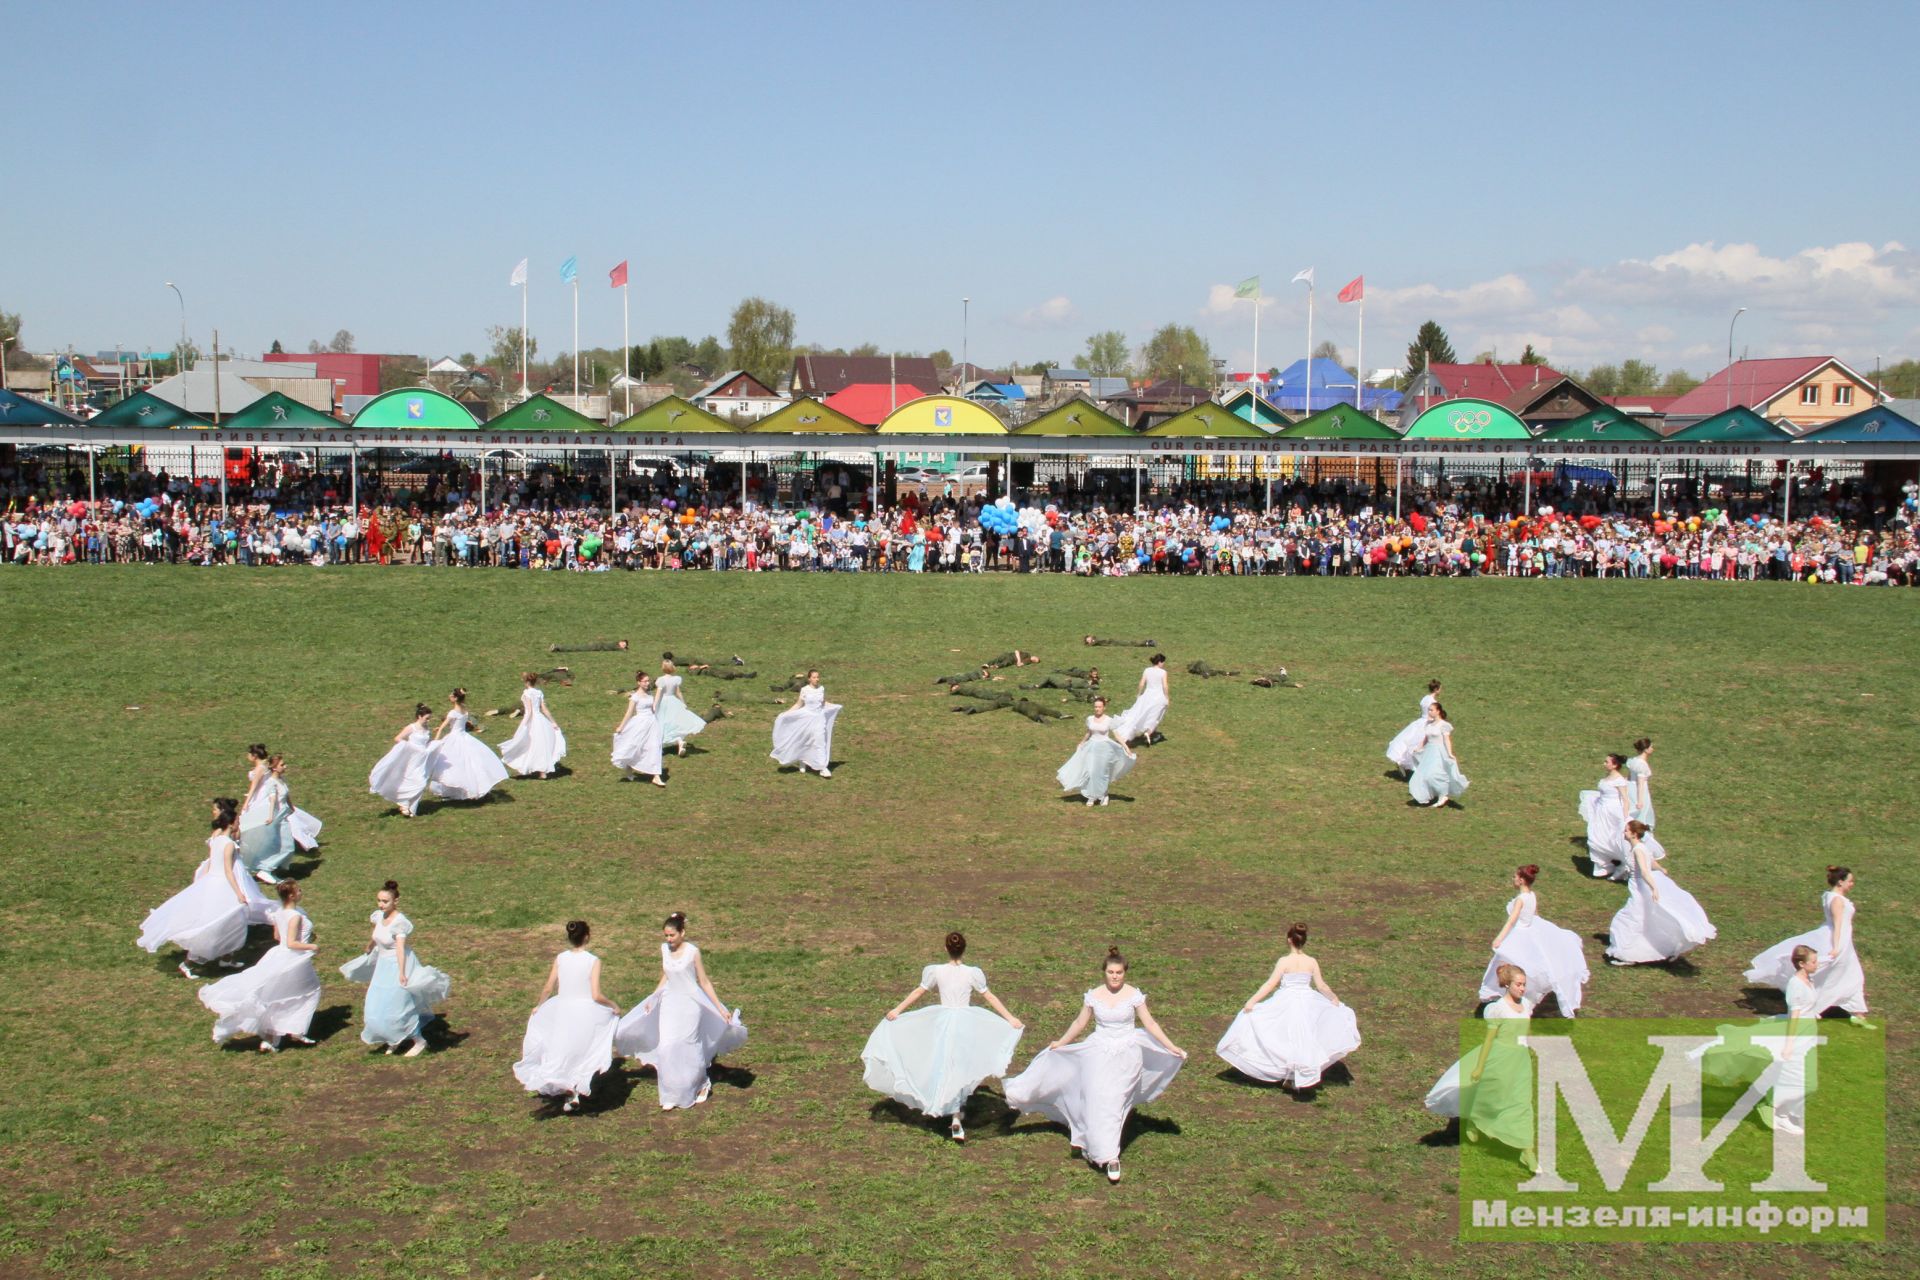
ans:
(576, 343)
(1255, 410)
(1309, 344)
(523, 339)
(626, 346)
(1360, 356)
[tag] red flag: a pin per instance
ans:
(1355, 291)
(618, 276)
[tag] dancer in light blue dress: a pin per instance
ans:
(933, 1059)
(403, 994)
(269, 847)
(1640, 774)
(677, 724)
(1404, 749)
(1436, 776)
(1100, 760)
(682, 1027)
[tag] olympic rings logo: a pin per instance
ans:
(1469, 422)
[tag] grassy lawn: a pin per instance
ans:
(131, 1146)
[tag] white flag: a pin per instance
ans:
(1306, 275)
(519, 274)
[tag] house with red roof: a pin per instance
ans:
(869, 403)
(1537, 394)
(739, 395)
(1799, 392)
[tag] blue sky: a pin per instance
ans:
(1606, 180)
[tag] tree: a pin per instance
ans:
(276, 349)
(1637, 378)
(10, 354)
(1901, 379)
(503, 352)
(710, 357)
(315, 347)
(1677, 383)
(674, 352)
(1328, 350)
(1429, 346)
(1107, 354)
(408, 371)
(1530, 356)
(342, 343)
(761, 335)
(1178, 351)
(942, 359)
(865, 349)
(1603, 380)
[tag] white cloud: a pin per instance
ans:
(1821, 280)
(1500, 296)
(1056, 312)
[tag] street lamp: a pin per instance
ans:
(183, 326)
(1736, 320)
(966, 366)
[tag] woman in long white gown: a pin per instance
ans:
(1100, 760)
(1404, 749)
(403, 992)
(1293, 1028)
(933, 1059)
(401, 774)
(1660, 921)
(682, 1027)
(637, 738)
(1436, 778)
(1841, 981)
(1150, 703)
(1552, 957)
(266, 836)
(1493, 1096)
(1091, 1087)
(1737, 1059)
(803, 733)
(1639, 770)
(569, 1038)
(459, 765)
(537, 745)
(677, 724)
(301, 825)
(279, 995)
(209, 918)
(1608, 807)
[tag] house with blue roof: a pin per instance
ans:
(1309, 386)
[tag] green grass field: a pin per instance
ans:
(131, 1146)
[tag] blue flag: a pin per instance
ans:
(569, 270)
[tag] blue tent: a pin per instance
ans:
(25, 411)
(1332, 384)
(1869, 426)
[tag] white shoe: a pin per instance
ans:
(1103, 800)
(1785, 1125)
(186, 972)
(1089, 802)
(268, 1046)
(1113, 1171)
(263, 877)
(826, 773)
(701, 1096)
(572, 1103)
(419, 1047)
(682, 750)
(956, 1132)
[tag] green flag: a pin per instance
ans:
(1249, 288)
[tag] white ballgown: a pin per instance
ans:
(1606, 818)
(1091, 1086)
(1142, 719)
(678, 1031)
(305, 828)
(1500, 1103)
(394, 1014)
(1097, 763)
(266, 836)
(401, 774)
(537, 745)
(1436, 774)
(804, 734)
(1404, 750)
(1552, 957)
(1640, 776)
(932, 1059)
(637, 745)
(1292, 1036)
(276, 997)
(569, 1038)
(1839, 982)
(460, 766)
(1648, 932)
(206, 919)
(677, 724)
(1736, 1061)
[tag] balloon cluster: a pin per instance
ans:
(1000, 517)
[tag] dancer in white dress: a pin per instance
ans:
(1100, 760)
(803, 733)
(1404, 749)
(1436, 778)
(1640, 773)
(537, 745)
(278, 996)
(403, 992)
(1092, 1087)
(636, 739)
(1661, 921)
(933, 1059)
(1495, 1098)
(459, 765)
(266, 837)
(569, 1038)
(1552, 957)
(682, 1027)
(1149, 708)
(1608, 807)
(1842, 982)
(401, 774)
(1298, 1033)
(303, 826)
(209, 918)
(677, 724)
(1744, 1052)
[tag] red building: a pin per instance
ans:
(353, 374)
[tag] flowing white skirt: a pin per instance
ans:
(1554, 961)
(804, 736)
(204, 919)
(1095, 765)
(1436, 775)
(1840, 982)
(394, 1014)
(931, 1059)
(569, 1041)
(1404, 749)
(1647, 932)
(305, 828)
(677, 724)
(401, 775)
(1500, 1104)
(1606, 833)
(1292, 1036)
(678, 1036)
(535, 747)
(1092, 1085)
(1144, 716)
(461, 767)
(275, 998)
(637, 746)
